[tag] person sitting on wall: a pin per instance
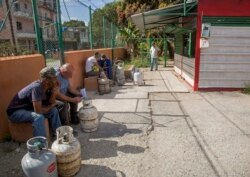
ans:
(36, 102)
(106, 65)
(67, 95)
(92, 68)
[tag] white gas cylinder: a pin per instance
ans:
(138, 78)
(88, 116)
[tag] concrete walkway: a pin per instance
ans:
(163, 129)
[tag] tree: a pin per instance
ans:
(109, 12)
(130, 35)
(74, 23)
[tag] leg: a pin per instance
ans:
(63, 109)
(92, 73)
(37, 120)
(152, 64)
(156, 63)
(73, 110)
(54, 119)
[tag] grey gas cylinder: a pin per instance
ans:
(39, 161)
(68, 152)
(103, 85)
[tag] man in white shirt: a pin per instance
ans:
(90, 63)
(154, 53)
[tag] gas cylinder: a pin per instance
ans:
(120, 77)
(39, 161)
(88, 116)
(68, 151)
(104, 85)
(138, 77)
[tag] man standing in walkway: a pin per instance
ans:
(67, 95)
(154, 53)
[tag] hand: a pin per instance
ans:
(77, 99)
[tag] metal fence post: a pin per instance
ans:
(37, 28)
(59, 30)
(90, 29)
(165, 52)
(104, 32)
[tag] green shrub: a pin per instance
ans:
(246, 90)
(138, 62)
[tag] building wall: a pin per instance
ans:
(224, 7)
(220, 59)
(226, 62)
(5, 33)
(184, 66)
(22, 12)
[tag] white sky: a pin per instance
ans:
(78, 11)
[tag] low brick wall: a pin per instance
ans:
(78, 59)
(16, 72)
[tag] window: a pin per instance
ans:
(25, 6)
(1, 3)
(1, 22)
(19, 26)
(17, 7)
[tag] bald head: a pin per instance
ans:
(67, 70)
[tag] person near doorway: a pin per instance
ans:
(154, 53)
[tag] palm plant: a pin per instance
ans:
(129, 35)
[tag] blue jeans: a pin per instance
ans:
(154, 62)
(37, 120)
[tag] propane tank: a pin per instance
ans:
(88, 116)
(103, 84)
(138, 77)
(39, 161)
(120, 77)
(68, 151)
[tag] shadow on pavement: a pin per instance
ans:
(98, 171)
(107, 148)
(108, 130)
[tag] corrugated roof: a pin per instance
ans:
(169, 16)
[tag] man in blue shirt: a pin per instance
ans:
(35, 102)
(66, 94)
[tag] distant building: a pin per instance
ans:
(19, 28)
(75, 38)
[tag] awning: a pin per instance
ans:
(176, 15)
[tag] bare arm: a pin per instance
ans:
(38, 108)
(74, 91)
(63, 97)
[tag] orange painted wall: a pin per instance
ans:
(78, 58)
(16, 72)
